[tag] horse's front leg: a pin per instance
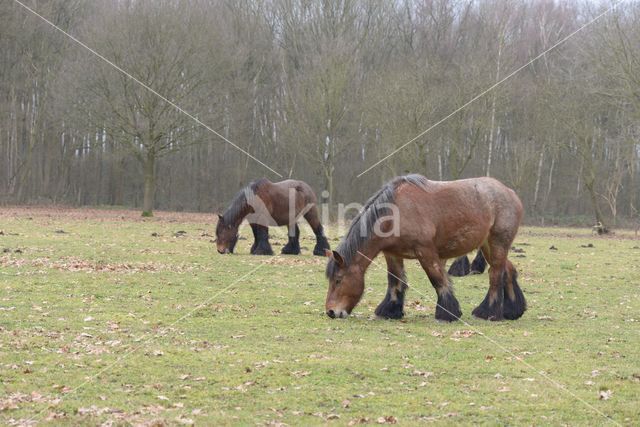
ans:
(293, 245)
(392, 307)
(447, 308)
(261, 244)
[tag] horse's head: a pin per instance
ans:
(226, 236)
(346, 286)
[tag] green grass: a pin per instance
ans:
(106, 323)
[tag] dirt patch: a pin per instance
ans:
(79, 265)
(293, 260)
(579, 233)
(83, 214)
(17, 399)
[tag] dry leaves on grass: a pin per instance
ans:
(424, 374)
(13, 400)
(605, 394)
(83, 214)
(457, 335)
(295, 261)
(73, 264)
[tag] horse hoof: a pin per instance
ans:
(290, 251)
(390, 310)
(391, 315)
(514, 308)
(320, 250)
(483, 314)
(448, 308)
(262, 252)
(447, 316)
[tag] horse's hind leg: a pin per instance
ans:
(504, 299)
(514, 301)
(491, 307)
(392, 307)
(261, 245)
(293, 245)
(447, 308)
(322, 244)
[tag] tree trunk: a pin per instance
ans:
(149, 183)
(538, 178)
(493, 112)
(328, 183)
(596, 208)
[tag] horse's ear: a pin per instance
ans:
(337, 258)
(219, 217)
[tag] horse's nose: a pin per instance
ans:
(223, 251)
(331, 314)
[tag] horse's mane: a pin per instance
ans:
(239, 202)
(362, 226)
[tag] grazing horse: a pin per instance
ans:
(266, 204)
(431, 221)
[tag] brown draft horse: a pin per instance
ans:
(433, 221)
(266, 204)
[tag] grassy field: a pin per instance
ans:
(109, 318)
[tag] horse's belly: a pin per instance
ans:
(465, 240)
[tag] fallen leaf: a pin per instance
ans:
(422, 374)
(605, 394)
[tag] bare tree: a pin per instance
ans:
(160, 46)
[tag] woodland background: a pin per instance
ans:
(319, 91)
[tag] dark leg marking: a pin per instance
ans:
(293, 245)
(392, 306)
(321, 242)
(448, 308)
(460, 267)
(479, 264)
(261, 245)
(491, 307)
(514, 302)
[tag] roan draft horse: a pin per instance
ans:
(266, 204)
(431, 221)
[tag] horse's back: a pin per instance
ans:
(278, 196)
(456, 216)
(484, 192)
